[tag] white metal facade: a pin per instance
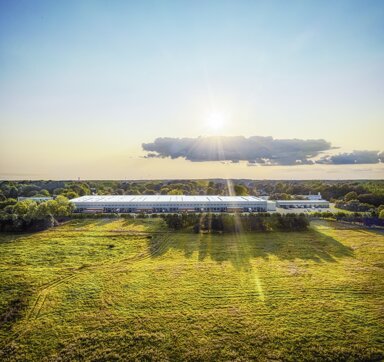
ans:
(168, 203)
(302, 203)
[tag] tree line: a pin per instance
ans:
(354, 196)
(369, 191)
(366, 219)
(27, 215)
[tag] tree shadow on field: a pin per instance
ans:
(310, 245)
(240, 248)
(91, 224)
(8, 237)
(160, 244)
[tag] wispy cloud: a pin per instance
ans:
(355, 157)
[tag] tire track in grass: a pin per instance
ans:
(42, 294)
(45, 289)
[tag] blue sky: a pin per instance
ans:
(75, 75)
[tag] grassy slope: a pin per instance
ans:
(110, 290)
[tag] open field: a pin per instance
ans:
(110, 290)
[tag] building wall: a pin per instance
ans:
(271, 206)
(302, 203)
(173, 206)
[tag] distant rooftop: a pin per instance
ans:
(306, 201)
(34, 198)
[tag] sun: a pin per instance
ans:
(215, 122)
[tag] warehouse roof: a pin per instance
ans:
(164, 198)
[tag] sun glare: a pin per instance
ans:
(216, 122)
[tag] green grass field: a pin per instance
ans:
(110, 290)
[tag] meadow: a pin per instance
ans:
(122, 290)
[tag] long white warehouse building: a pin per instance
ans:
(171, 203)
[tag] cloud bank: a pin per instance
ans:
(255, 150)
(355, 157)
(264, 150)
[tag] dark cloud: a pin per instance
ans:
(355, 157)
(261, 150)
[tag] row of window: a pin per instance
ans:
(172, 205)
(171, 209)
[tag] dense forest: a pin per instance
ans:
(370, 192)
(355, 196)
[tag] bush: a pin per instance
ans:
(381, 215)
(354, 205)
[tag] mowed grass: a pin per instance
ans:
(111, 290)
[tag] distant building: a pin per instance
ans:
(271, 206)
(312, 197)
(36, 199)
(170, 203)
(290, 204)
(264, 197)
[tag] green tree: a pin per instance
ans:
(43, 193)
(164, 191)
(42, 210)
(59, 191)
(350, 196)
(149, 192)
(175, 192)
(12, 192)
(71, 195)
(240, 190)
(60, 207)
(64, 207)
(25, 210)
(25, 207)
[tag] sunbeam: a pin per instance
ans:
(240, 239)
